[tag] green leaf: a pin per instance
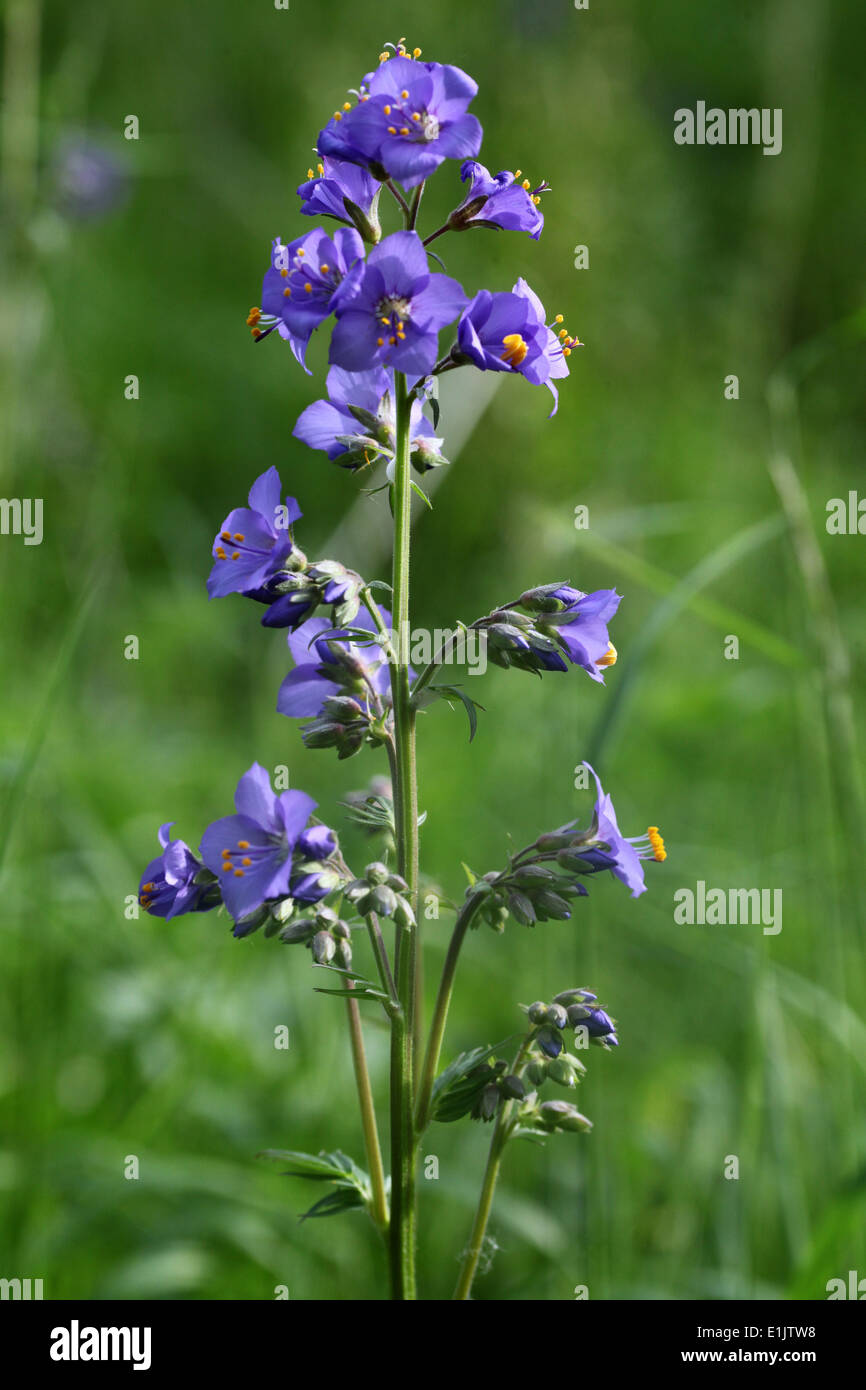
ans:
(343, 1199)
(352, 1185)
(422, 494)
(449, 693)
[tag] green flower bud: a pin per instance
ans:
(537, 1012)
(376, 872)
(323, 947)
(521, 909)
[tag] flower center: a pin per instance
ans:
(516, 349)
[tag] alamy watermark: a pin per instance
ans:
(719, 907)
(734, 126)
(22, 516)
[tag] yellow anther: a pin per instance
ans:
(405, 96)
(566, 352)
(226, 853)
(239, 873)
(321, 169)
(236, 554)
(536, 200)
(658, 844)
(386, 321)
(526, 183)
(416, 53)
(284, 272)
(338, 115)
(227, 868)
(380, 342)
(309, 173)
(559, 318)
(387, 110)
(609, 658)
(287, 293)
(246, 863)
(324, 269)
(239, 535)
(347, 106)
(226, 535)
(253, 317)
(517, 173)
(308, 287)
(416, 115)
(147, 887)
(404, 130)
(392, 130)
(515, 349)
(383, 57)
(220, 553)
(392, 341)
(302, 252)
(243, 844)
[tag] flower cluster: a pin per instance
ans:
(268, 856)
(561, 625)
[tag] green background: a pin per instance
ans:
(124, 1037)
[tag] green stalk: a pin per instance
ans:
(440, 1013)
(368, 1114)
(501, 1135)
(403, 1235)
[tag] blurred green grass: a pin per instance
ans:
(136, 1037)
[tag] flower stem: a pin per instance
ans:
(424, 1105)
(368, 1114)
(406, 828)
(501, 1134)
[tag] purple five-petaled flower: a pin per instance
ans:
(498, 200)
(254, 542)
(393, 309)
(324, 195)
(251, 852)
(317, 675)
(507, 332)
(411, 116)
(331, 426)
(621, 854)
(307, 281)
(168, 885)
(581, 627)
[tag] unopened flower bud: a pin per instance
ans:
(323, 947)
(557, 1016)
(537, 1012)
(376, 872)
(575, 996)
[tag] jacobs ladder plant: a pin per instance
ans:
(273, 865)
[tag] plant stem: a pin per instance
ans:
(406, 828)
(368, 1114)
(482, 1215)
(440, 1013)
(501, 1134)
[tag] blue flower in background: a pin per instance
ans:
(498, 200)
(254, 542)
(392, 314)
(251, 852)
(411, 116)
(168, 885)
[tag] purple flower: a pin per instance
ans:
(394, 310)
(498, 200)
(325, 667)
(325, 195)
(621, 854)
(254, 542)
(505, 332)
(306, 281)
(577, 622)
(411, 116)
(168, 885)
(356, 425)
(251, 852)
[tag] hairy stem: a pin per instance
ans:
(406, 828)
(440, 1013)
(502, 1131)
(368, 1114)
